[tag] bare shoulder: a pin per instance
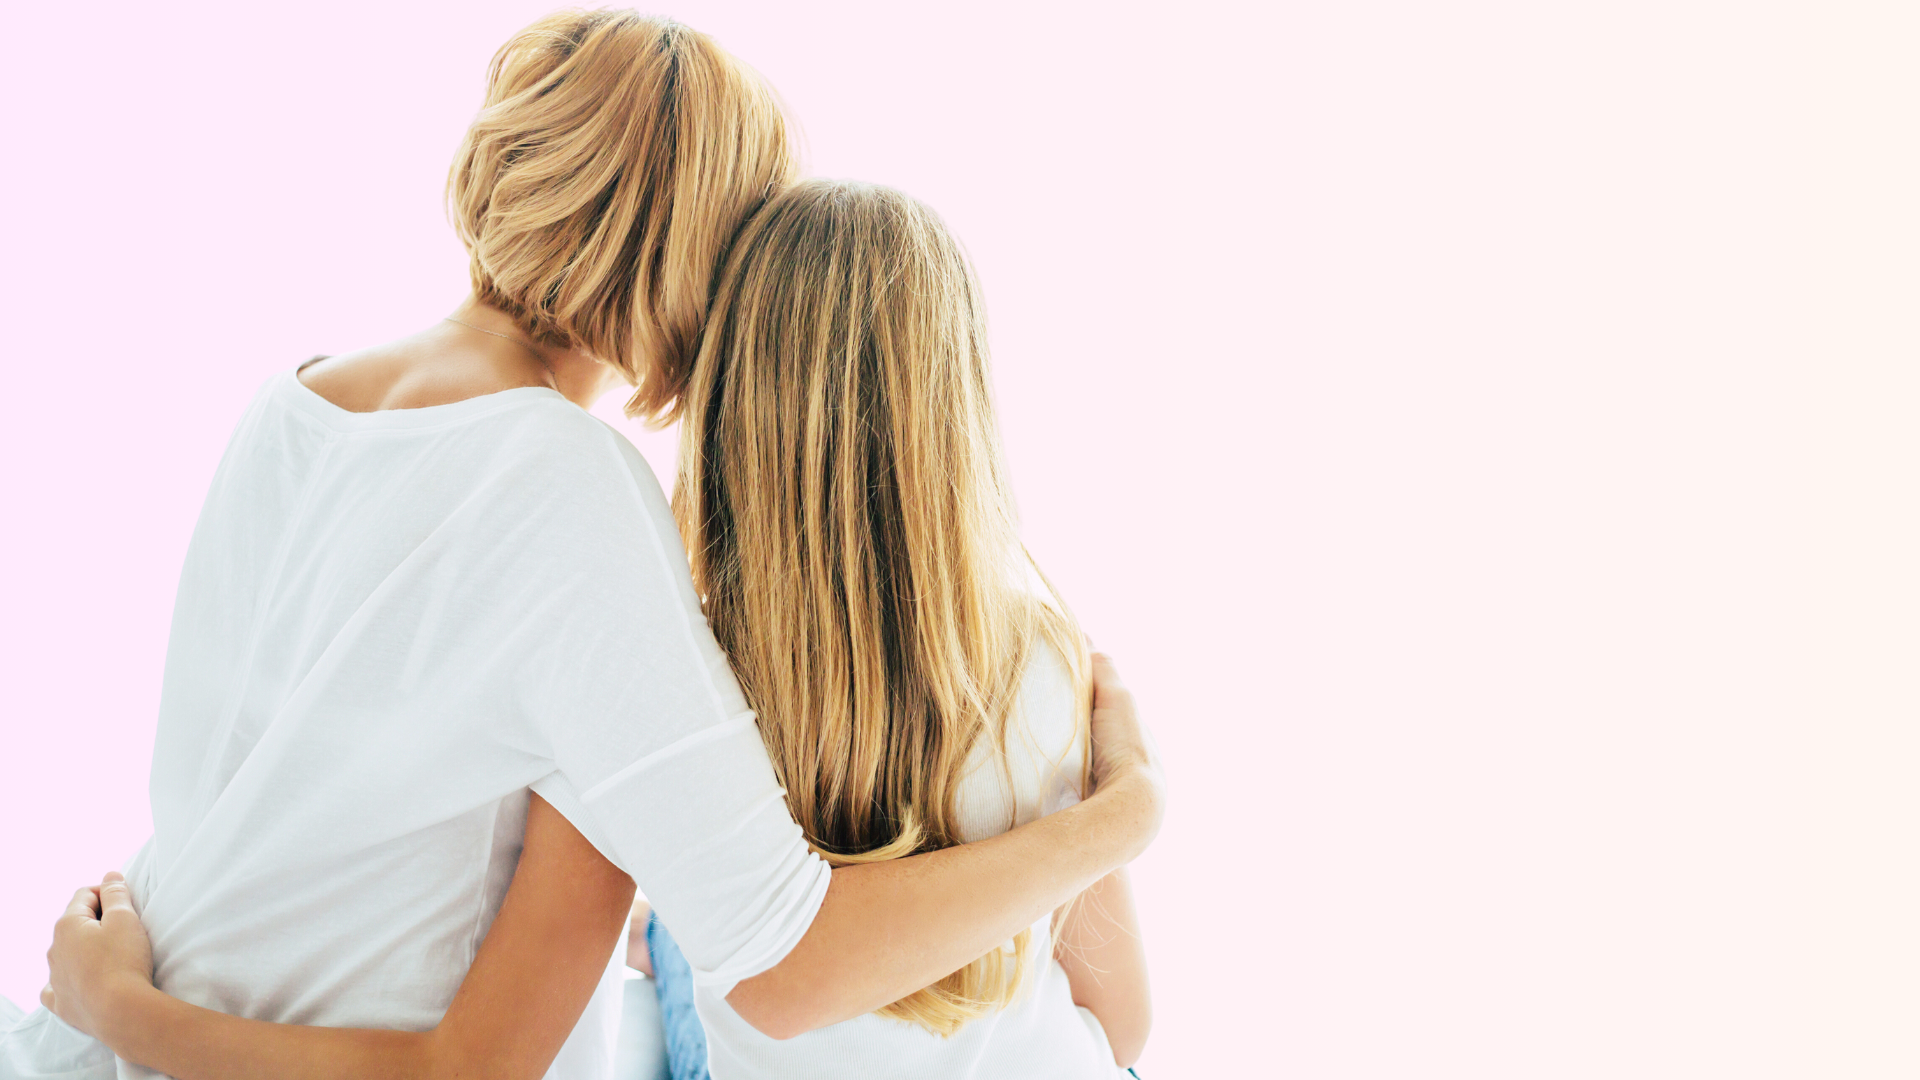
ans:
(359, 381)
(415, 372)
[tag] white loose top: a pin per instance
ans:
(1043, 1035)
(390, 627)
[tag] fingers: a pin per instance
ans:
(1107, 687)
(46, 997)
(1103, 669)
(1118, 732)
(85, 902)
(115, 896)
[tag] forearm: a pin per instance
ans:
(526, 989)
(191, 1043)
(888, 929)
(1106, 964)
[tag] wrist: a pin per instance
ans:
(123, 1006)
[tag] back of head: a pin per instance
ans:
(852, 531)
(597, 191)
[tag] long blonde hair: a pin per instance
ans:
(597, 191)
(843, 499)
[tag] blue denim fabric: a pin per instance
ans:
(673, 983)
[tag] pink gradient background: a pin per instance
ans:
(1484, 432)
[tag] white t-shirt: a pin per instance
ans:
(1043, 1035)
(390, 627)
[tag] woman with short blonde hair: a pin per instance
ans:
(596, 192)
(439, 690)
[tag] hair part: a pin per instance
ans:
(852, 532)
(616, 156)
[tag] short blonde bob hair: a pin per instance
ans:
(597, 191)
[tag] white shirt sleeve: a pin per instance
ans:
(656, 756)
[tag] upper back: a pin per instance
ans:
(420, 371)
(1039, 767)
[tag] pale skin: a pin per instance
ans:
(1097, 943)
(883, 931)
(1099, 946)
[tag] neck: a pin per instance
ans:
(579, 376)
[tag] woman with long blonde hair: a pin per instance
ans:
(918, 683)
(439, 690)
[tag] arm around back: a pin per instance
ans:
(883, 931)
(527, 987)
(888, 929)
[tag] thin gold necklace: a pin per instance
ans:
(506, 337)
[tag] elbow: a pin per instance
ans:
(778, 1030)
(1128, 1040)
(776, 1027)
(776, 1015)
(1126, 1052)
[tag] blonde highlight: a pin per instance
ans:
(596, 192)
(852, 532)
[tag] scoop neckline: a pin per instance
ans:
(310, 401)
